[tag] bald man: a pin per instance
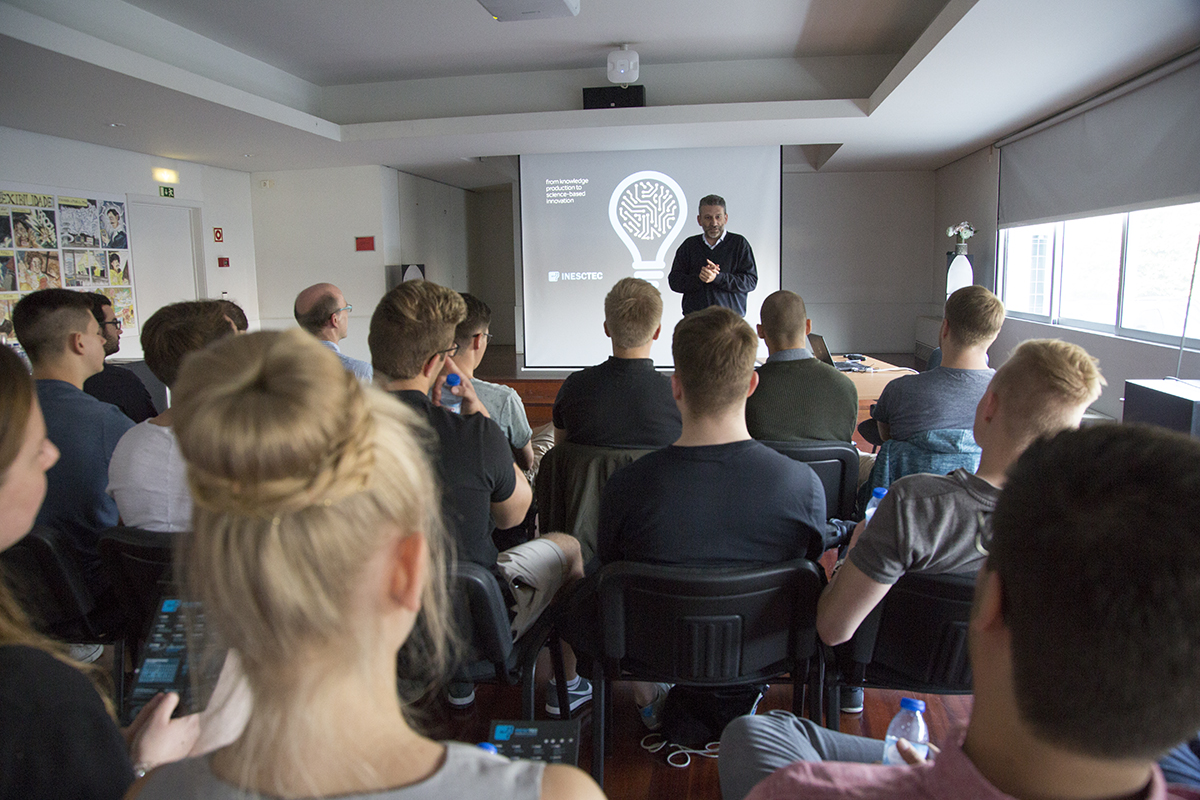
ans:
(322, 310)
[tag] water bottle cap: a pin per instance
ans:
(453, 380)
(879, 492)
(912, 704)
(491, 748)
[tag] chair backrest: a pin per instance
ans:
(569, 482)
(140, 563)
(45, 579)
(836, 464)
(480, 614)
(705, 626)
(918, 634)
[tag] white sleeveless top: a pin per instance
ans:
(467, 772)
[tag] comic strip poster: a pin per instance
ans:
(7, 301)
(8, 271)
(78, 222)
(76, 241)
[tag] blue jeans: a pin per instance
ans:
(1182, 765)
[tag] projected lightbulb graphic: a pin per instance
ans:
(646, 210)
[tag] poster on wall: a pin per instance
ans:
(79, 241)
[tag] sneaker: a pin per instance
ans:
(85, 653)
(651, 713)
(575, 697)
(461, 695)
(852, 699)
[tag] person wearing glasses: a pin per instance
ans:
(322, 310)
(927, 523)
(117, 385)
(412, 347)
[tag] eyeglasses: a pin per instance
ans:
(485, 335)
(116, 323)
(449, 352)
(347, 307)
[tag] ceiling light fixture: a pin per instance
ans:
(623, 66)
(520, 10)
(164, 175)
(116, 124)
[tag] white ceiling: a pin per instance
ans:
(434, 86)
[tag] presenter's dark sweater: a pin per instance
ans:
(802, 399)
(738, 275)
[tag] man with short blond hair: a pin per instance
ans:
(623, 402)
(798, 396)
(944, 398)
(322, 310)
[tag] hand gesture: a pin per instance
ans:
(709, 272)
(471, 404)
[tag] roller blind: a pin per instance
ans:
(1138, 149)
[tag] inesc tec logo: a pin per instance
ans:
(575, 276)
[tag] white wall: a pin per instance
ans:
(490, 257)
(223, 196)
(856, 247)
(305, 224)
(433, 230)
(968, 190)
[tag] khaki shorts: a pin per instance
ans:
(535, 570)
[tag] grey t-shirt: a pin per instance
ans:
(506, 409)
(467, 772)
(934, 400)
(926, 523)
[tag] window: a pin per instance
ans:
(1126, 273)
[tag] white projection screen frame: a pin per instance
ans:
(576, 242)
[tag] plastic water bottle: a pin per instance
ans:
(910, 725)
(451, 401)
(873, 503)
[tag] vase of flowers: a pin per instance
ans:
(963, 231)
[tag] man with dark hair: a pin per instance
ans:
(1084, 642)
(147, 475)
(322, 310)
(64, 344)
(412, 343)
(504, 405)
(623, 402)
(798, 396)
(714, 268)
(236, 315)
(716, 497)
(117, 385)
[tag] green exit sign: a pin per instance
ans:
(166, 191)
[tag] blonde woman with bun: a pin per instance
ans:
(319, 555)
(58, 736)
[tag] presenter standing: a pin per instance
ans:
(715, 268)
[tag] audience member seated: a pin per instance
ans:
(65, 346)
(1084, 643)
(412, 341)
(945, 397)
(318, 543)
(623, 402)
(147, 476)
(58, 738)
(716, 497)
(236, 315)
(117, 385)
(928, 523)
(504, 405)
(798, 396)
(322, 310)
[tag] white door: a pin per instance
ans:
(166, 258)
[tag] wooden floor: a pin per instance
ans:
(632, 773)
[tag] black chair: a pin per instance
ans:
(836, 464)
(915, 640)
(703, 627)
(47, 583)
(482, 618)
(140, 565)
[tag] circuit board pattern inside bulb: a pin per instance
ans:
(647, 209)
